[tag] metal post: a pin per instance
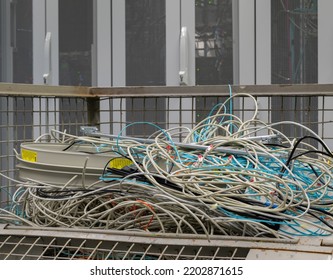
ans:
(93, 108)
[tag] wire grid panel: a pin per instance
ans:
(64, 244)
(46, 248)
(141, 116)
(69, 248)
(23, 119)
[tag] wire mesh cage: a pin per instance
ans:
(29, 113)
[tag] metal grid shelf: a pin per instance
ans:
(24, 243)
(47, 244)
(36, 248)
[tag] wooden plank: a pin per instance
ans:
(166, 91)
(9, 89)
(218, 90)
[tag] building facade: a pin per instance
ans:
(159, 42)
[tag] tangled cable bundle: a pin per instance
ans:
(228, 177)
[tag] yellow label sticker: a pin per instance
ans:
(29, 155)
(119, 163)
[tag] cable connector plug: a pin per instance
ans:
(169, 149)
(199, 161)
